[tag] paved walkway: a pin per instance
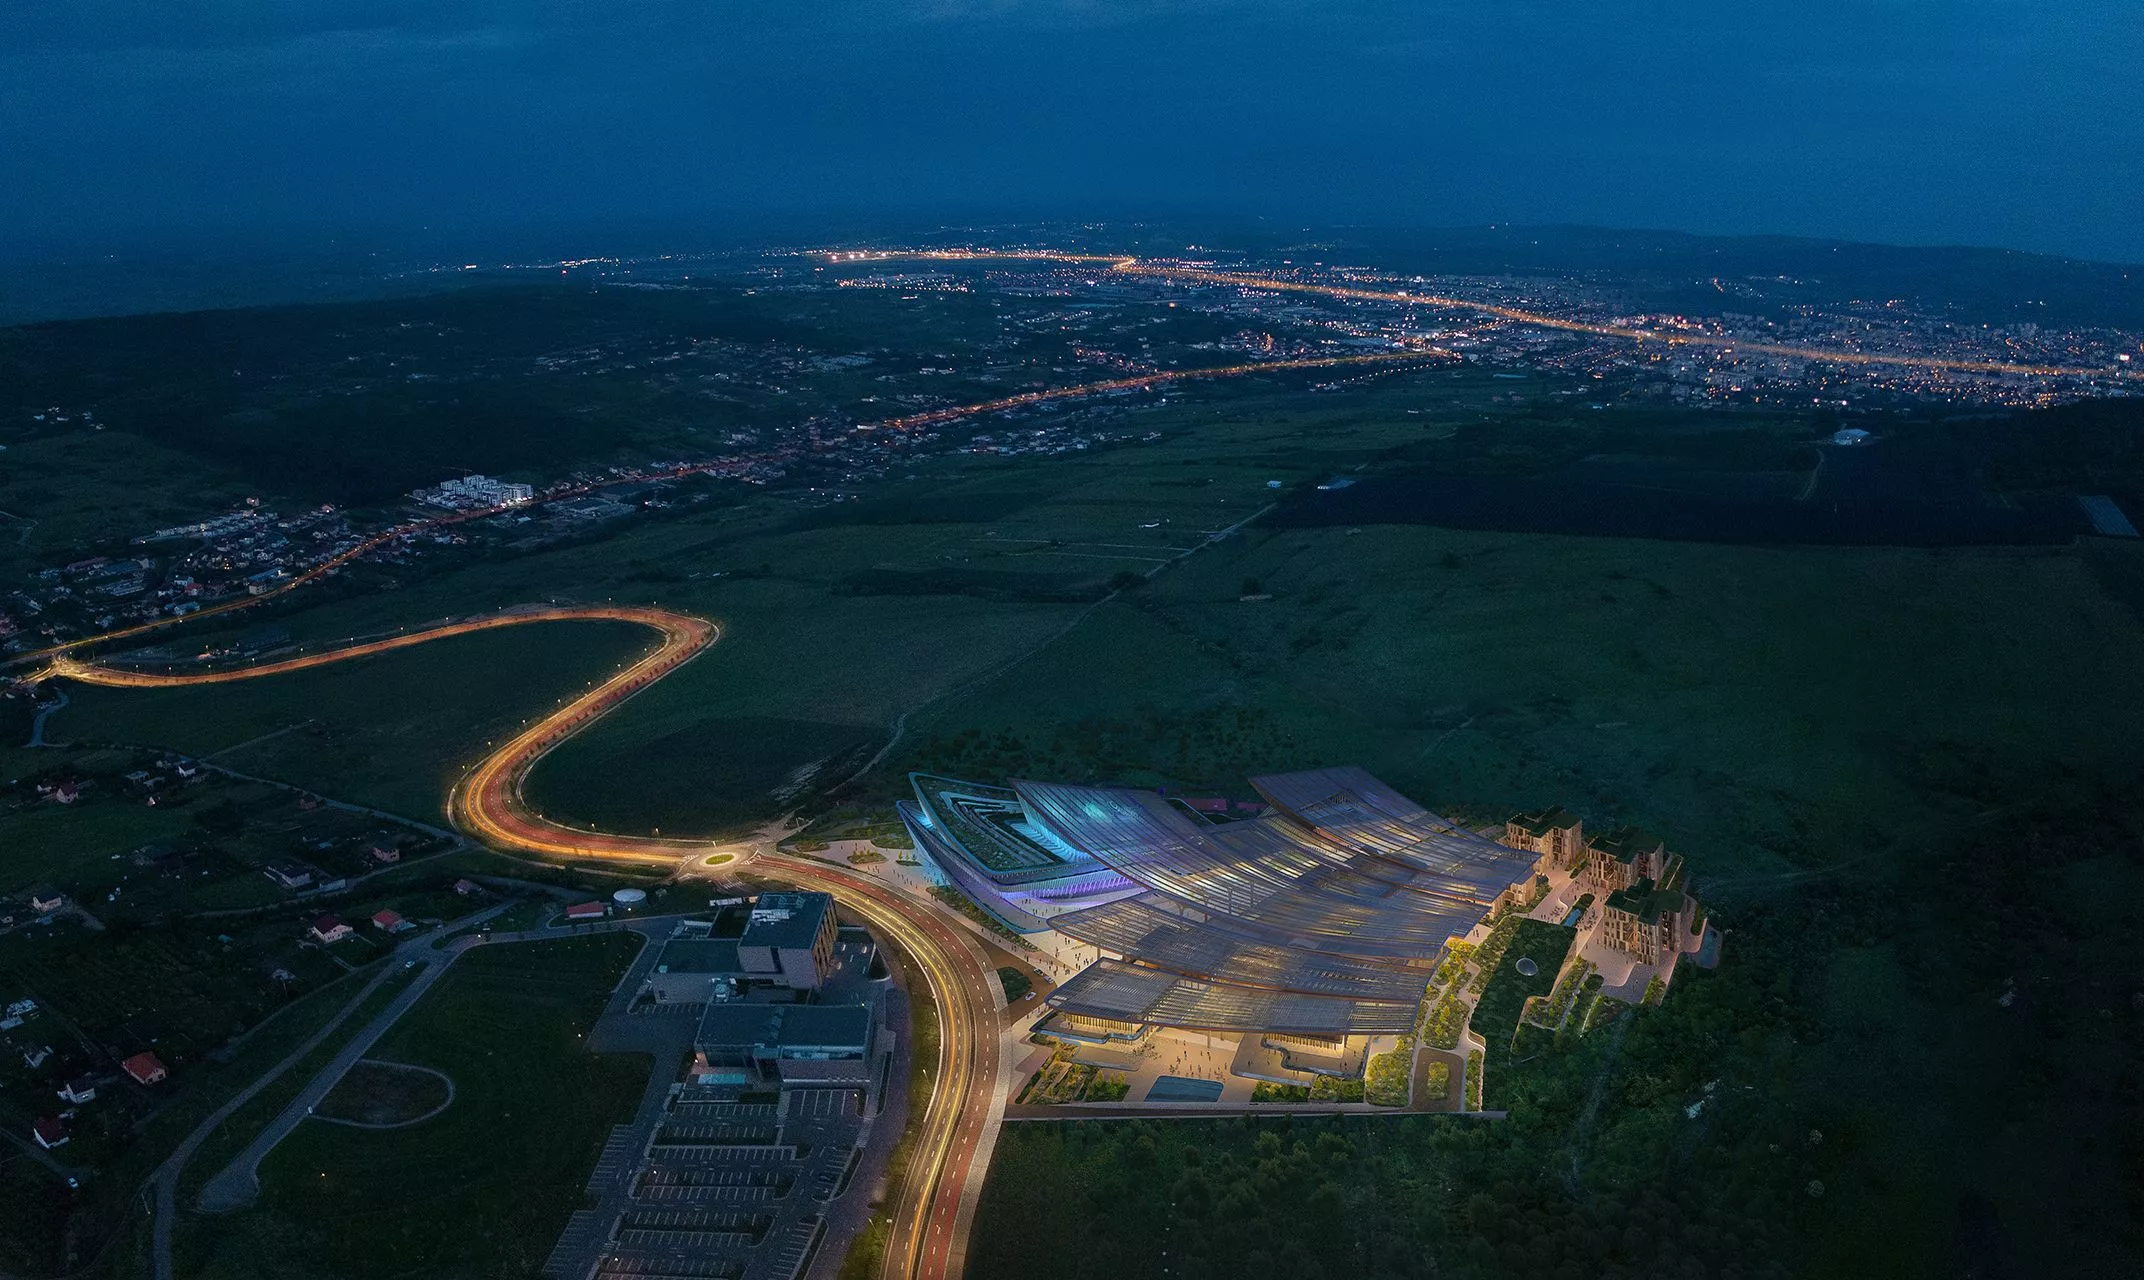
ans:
(239, 1182)
(167, 1174)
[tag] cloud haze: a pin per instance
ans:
(1981, 121)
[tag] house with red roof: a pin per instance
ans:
(330, 929)
(390, 922)
(587, 911)
(49, 1132)
(144, 1068)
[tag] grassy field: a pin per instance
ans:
(381, 1093)
(1878, 762)
(393, 732)
(55, 842)
(1759, 707)
(483, 1189)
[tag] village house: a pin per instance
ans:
(329, 929)
(144, 1068)
(290, 875)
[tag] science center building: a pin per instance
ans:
(1318, 918)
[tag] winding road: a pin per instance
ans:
(960, 1122)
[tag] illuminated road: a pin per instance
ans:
(959, 1122)
(935, 416)
(1131, 266)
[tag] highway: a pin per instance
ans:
(960, 1121)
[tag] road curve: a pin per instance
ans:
(960, 1120)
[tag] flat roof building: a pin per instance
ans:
(689, 966)
(790, 939)
(793, 1043)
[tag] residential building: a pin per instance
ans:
(144, 1068)
(1620, 858)
(49, 1132)
(390, 922)
(1646, 921)
(44, 899)
(1555, 837)
(79, 1090)
(329, 929)
(290, 875)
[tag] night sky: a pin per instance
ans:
(1996, 122)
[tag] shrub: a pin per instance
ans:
(1446, 1022)
(1386, 1083)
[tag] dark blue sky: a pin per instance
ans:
(1999, 122)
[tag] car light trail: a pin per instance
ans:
(954, 1138)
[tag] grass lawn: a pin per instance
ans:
(375, 1092)
(1496, 1017)
(485, 1188)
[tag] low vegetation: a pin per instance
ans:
(1386, 1080)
